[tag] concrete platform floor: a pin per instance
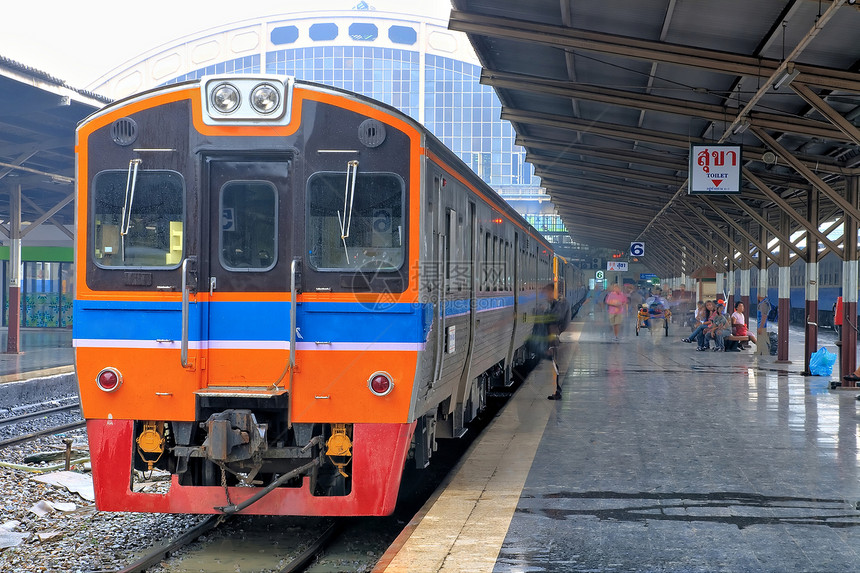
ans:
(43, 351)
(658, 458)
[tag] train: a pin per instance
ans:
(829, 289)
(286, 293)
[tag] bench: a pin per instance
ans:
(732, 343)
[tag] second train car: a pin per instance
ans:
(286, 292)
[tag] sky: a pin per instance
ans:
(79, 41)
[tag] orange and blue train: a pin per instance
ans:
(286, 293)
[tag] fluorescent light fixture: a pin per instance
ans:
(742, 127)
(785, 77)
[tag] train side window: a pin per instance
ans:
(141, 227)
(496, 274)
(485, 280)
(368, 234)
(508, 266)
(453, 273)
(248, 234)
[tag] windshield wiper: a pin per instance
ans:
(125, 220)
(348, 196)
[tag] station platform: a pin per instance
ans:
(657, 458)
(42, 351)
(43, 369)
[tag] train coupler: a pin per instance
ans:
(234, 435)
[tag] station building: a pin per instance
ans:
(409, 60)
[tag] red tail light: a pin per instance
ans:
(380, 383)
(109, 379)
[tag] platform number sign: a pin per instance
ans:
(637, 249)
(598, 275)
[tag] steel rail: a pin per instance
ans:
(36, 435)
(157, 555)
(301, 562)
(31, 415)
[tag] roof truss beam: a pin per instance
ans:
(646, 102)
(647, 50)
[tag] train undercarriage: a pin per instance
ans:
(247, 441)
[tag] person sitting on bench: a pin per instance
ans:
(739, 327)
(719, 329)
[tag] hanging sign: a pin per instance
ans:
(715, 169)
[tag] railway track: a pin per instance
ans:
(33, 415)
(46, 432)
(41, 416)
(297, 563)
(160, 553)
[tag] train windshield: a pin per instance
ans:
(139, 224)
(356, 228)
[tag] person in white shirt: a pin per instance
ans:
(739, 327)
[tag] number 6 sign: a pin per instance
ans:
(637, 249)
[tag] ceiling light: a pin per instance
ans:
(785, 77)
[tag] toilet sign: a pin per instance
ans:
(715, 169)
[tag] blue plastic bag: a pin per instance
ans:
(821, 362)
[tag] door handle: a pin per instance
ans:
(186, 291)
(295, 287)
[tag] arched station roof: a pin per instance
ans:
(608, 95)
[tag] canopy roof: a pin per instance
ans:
(607, 97)
(38, 116)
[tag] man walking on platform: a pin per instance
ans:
(615, 303)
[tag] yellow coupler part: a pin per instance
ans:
(339, 445)
(150, 442)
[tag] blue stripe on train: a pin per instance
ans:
(240, 320)
(331, 322)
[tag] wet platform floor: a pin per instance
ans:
(658, 458)
(41, 352)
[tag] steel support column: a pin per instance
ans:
(849, 284)
(730, 294)
(810, 338)
(784, 290)
(14, 331)
(730, 275)
(762, 283)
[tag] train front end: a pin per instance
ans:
(245, 317)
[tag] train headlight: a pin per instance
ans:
(236, 99)
(225, 98)
(109, 379)
(380, 383)
(265, 98)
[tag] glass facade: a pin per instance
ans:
(456, 108)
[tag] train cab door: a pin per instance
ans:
(441, 221)
(247, 272)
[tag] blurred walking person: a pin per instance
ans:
(615, 304)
